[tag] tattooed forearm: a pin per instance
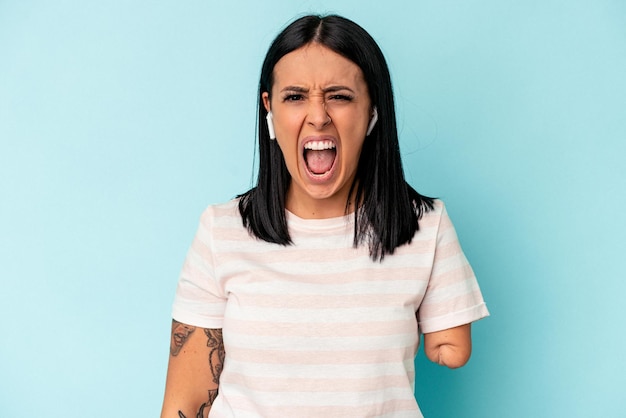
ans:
(216, 357)
(200, 414)
(212, 396)
(215, 343)
(180, 334)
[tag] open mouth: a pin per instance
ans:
(320, 156)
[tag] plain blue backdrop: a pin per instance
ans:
(121, 120)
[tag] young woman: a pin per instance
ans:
(306, 296)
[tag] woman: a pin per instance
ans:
(307, 295)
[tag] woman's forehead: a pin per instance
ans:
(315, 65)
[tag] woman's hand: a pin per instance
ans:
(195, 365)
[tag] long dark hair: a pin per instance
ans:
(390, 207)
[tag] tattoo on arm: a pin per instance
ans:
(217, 354)
(200, 414)
(180, 334)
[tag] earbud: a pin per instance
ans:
(373, 121)
(270, 125)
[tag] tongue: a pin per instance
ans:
(320, 162)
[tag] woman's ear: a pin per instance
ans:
(266, 101)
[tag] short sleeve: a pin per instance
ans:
(453, 297)
(199, 300)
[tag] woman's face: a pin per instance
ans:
(321, 109)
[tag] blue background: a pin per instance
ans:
(121, 120)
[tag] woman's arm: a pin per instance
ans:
(195, 365)
(451, 347)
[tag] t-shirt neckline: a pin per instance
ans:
(294, 221)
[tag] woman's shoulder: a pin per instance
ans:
(436, 217)
(433, 209)
(222, 212)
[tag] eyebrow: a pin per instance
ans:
(330, 89)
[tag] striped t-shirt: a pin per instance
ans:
(318, 329)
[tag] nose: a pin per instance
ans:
(318, 116)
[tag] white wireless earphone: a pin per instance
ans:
(270, 125)
(373, 121)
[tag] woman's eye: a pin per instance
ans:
(341, 97)
(293, 98)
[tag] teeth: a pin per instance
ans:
(319, 145)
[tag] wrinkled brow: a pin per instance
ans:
(330, 89)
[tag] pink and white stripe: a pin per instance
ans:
(318, 328)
